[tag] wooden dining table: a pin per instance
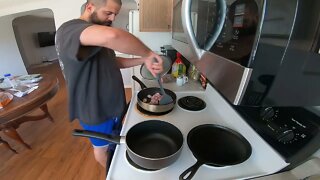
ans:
(17, 111)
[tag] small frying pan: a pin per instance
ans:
(217, 146)
(144, 100)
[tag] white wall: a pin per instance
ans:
(10, 59)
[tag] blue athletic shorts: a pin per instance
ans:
(106, 127)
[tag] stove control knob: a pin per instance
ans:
(285, 136)
(268, 114)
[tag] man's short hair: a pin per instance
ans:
(100, 3)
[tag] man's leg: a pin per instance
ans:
(100, 154)
(100, 147)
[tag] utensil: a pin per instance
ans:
(217, 146)
(151, 144)
(165, 99)
(167, 63)
(144, 100)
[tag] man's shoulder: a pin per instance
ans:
(72, 22)
(70, 27)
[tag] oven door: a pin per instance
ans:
(223, 41)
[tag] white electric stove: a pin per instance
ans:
(263, 160)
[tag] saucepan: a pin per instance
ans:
(151, 144)
(217, 146)
(144, 100)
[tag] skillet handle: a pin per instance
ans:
(190, 172)
(142, 85)
(91, 134)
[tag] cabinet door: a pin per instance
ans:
(155, 15)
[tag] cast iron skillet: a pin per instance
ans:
(152, 144)
(143, 95)
(216, 145)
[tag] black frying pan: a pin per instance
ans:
(144, 100)
(151, 144)
(216, 146)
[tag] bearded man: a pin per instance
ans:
(85, 48)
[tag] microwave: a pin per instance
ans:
(253, 52)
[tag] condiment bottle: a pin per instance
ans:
(8, 82)
(178, 68)
(193, 73)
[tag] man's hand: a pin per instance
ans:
(154, 63)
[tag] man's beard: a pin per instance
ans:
(94, 19)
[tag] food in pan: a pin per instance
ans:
(153, 99)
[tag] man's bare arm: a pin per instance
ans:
(113, 38)
(129, 62)
(122, 41)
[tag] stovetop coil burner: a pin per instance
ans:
(136, 165)
(191, 103)
(145, 112)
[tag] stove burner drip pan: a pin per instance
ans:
(191, 103)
